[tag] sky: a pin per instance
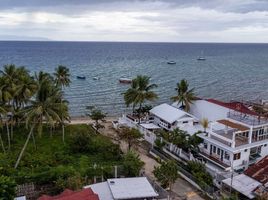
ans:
(135, 20)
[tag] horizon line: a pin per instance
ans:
(110, 41)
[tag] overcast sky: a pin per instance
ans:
(135, 20)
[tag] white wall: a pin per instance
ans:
(204, 109)
(237, 164)
(264, 151)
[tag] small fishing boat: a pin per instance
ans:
(171, 62)
(96, 78)
(125, 80)
(81, 77)
(201, 58)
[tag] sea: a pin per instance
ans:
(230, 71)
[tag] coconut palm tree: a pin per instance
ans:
(140, 91)
(46, 107)
(204, 122)
(185, 96)
(2, 111)
(62, 79)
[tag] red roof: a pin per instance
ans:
(259, 171)
(85, 194)
(237, 106)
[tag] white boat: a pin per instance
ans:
(171, 62)
(125, 80)
(201, 58)
(96, 78)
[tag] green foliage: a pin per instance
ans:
(56, 164)
(198, 170)
(96, 115)
(140, 92)
(167, 173)
(7, 188)
(80, 142)
(130, 135)
(132, 164)
(185, 96)
(159, 144)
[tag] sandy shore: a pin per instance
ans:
(87, 120)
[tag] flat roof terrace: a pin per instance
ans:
(247, 119)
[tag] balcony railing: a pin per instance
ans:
(247, 119)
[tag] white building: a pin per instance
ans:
(237, 137)
(163, 116)
(137, 188)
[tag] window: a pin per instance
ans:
(214, 149)
(265, 145)
(205, 145)
(218, 151)
(185, 122)
(237, 156)
(226, 156)
(245, 150)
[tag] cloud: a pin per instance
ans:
(147, 20)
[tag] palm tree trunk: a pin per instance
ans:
(35, 147)
(24, 147)
(63, 133)
(11, 129)
(2, 144)
(8, 136)
(140, 114)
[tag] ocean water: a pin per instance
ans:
(231, 71)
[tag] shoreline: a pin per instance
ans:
(87, 120)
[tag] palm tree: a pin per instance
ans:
(2, 111)
(204, 122)
(140, 91)
(46, 107)
(62, 79)
(185, 96)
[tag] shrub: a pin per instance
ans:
(132, 164)
(7, 188)
(80, 142)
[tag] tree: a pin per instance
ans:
(185, 96)
(167, 173)
(204, 122)
(62, 79)
(96, 115)
(46, 107)
(132, 164)
(130, 135)
(140, 91)
(7, 188)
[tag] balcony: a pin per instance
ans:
(215, 159)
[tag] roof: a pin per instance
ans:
(235, 105)
(20, 198)
(243, 184)
(102, 189)
(124, 188)
(85, 194)
(168, 113)
(259, 171)
(233, 125)
(131, 188)
(150, 126)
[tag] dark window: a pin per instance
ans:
(226, 156)
(205, 145)
(185, 122)
(214, 149)
(237, 156)
(218, 151)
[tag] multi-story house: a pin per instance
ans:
(237, 137)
